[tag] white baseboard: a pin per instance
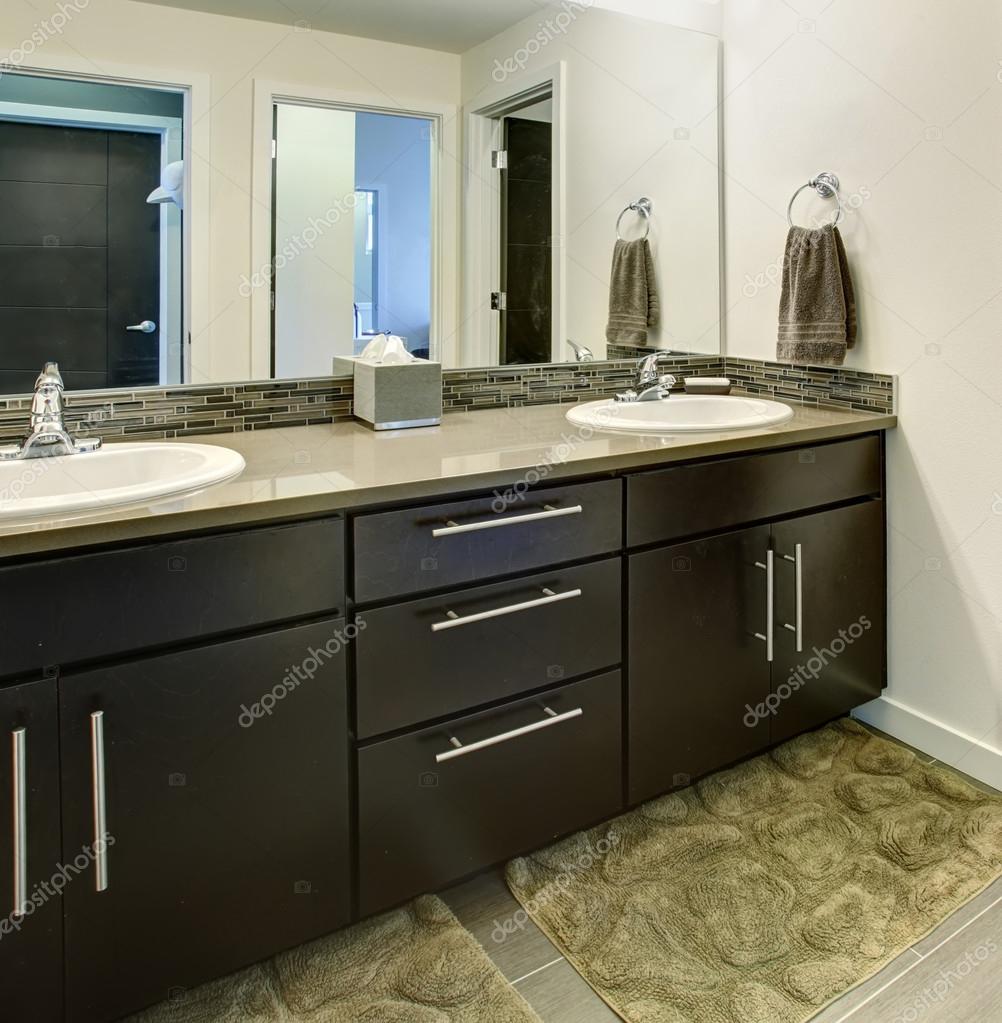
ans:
(964, 752)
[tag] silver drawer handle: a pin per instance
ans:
(100, 806)
(19, 740)
(770, 625)
(552, 718)
(549, 512)
(550, 598)
(798, 569)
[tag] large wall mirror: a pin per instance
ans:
(470, 208)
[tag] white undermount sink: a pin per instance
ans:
(113, 476)
(681, 413)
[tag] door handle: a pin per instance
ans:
(19, 739)
(770, 586)
(100, 803)
(146, 327)
(798, 569)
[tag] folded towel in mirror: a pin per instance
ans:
(817, 308)
(634, 306)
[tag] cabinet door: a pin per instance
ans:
(841, 582)
(225, 792)
(696, 665)
(31, 943)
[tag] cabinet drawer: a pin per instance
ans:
(415, 662)
(400, 552)
(423, 824)
(109, 603)
(692, 499)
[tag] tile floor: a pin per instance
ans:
(933, 982)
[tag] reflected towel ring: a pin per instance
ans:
(643, 206)
(826, 185)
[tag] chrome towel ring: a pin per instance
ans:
(643, 207)
(826, 185)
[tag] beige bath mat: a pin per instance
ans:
(765, 892)
(414, 965)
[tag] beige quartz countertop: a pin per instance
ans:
(309, 470)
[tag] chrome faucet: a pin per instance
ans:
(649, 385)
(48, 434)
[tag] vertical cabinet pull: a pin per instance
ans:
(798, 571)
(19, 739)
(770, 587)
(100, 806)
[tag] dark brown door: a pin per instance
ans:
(228, 826)
(31, 944)
(79, 255)
(697, 670)
(526, 247)
(842, 582)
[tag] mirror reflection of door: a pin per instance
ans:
(79, 255)
(526, 236)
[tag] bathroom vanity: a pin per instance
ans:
(288, 724)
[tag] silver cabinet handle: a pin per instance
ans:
(498, 612)
(146, 327)
(552, 718)
(798, 570)
(549, 512)
(770, 586)
(100, 806)
(19, 739)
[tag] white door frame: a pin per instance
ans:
(195, 89)
(482, 214)
(444, 118)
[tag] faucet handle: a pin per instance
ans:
(50, 377)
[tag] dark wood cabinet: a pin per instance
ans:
(31, 943)
(842, 585)
(695, 663)
(424, 824)
(227, 825)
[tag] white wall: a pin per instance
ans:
(903, 101)
(640, 119)
(701, 15)
(106, 34)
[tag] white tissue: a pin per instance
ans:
(387, 350)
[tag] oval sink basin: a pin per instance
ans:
(111, 477)
(681, 413)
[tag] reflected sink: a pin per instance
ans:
(681, 413)
(111, 477)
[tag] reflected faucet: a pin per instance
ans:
(581, 353)
(48, 434)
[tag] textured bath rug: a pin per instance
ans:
(414, 965)
(765, 892)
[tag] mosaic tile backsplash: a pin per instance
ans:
(160, 412)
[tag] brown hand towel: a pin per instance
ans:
(633, 294)
(817, 310)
